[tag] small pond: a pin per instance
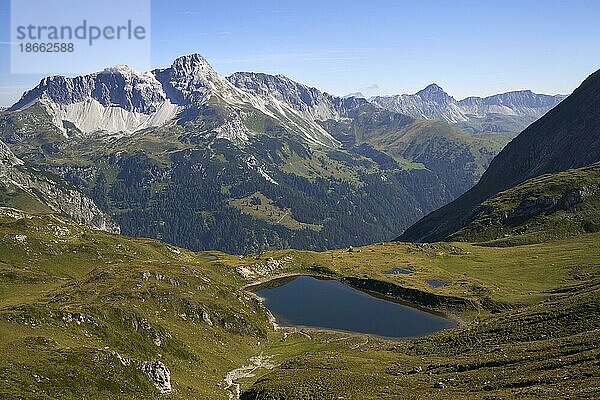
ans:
(210, 257)
(330, 304)
(435, 283)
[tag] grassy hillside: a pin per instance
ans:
(529, 328)
(81, 310)
(15, 197)
(537, 352)
(83, 314)
(433, 143)
(261, 207)
(456, 157)
(547, 207)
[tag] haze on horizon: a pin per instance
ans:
(469, 48)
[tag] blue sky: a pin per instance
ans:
(377, 47)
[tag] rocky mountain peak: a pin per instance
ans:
(358, 95)
(505, 112)
(192, 64)
(435, 93)
(310, 101)
(122, 69)
(191, 80)
(432, 88)
(524, 98)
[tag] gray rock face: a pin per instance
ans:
(358, 95)
(7, 158)
(520, 101)
(510, 112)
(120, 100)
(435, 94)
(188, 80)
(118, 86)
(53, 192)
(159, 374)
(309, 101)
(429, 103)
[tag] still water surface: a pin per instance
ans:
(325, 303)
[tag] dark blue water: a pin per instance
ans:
(307, 301)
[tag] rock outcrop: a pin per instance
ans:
(53, 192)
(159, 374)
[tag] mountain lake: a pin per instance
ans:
(307, 301)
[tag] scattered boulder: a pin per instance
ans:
(206, 318)
(159, 374)
(250, 272)
(416, 370)
(439, 385)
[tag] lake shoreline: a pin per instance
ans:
(447, 311)
(329, 304)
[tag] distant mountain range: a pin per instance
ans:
(506, 112)
(122, 100)
(242, 163)
(566, 138)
